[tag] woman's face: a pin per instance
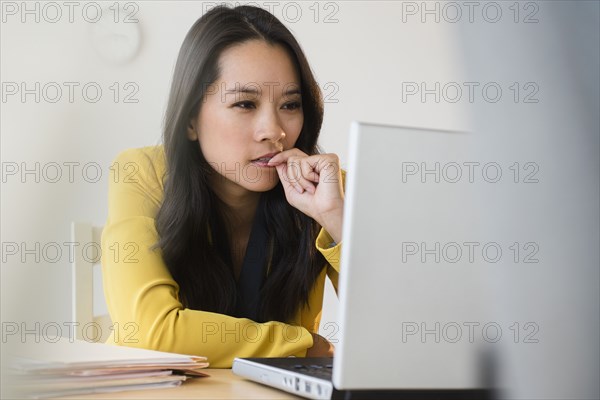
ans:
(254, 109)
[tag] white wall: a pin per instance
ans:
(360, 62)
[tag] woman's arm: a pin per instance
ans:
(332, 255)
(315, 185)
(331, 249)
(142, 296)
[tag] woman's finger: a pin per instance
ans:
(285, 155)
(321, 162)
(288, 182)
(296, 171)
(308, 169)
(304, 172)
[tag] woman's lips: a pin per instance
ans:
(266, 157)
(263, 163)
(263, 160)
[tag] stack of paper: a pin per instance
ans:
(69, 367)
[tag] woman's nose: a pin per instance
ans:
(270, 129)
(273, 136)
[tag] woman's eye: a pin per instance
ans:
(244, 104)
(293, 106)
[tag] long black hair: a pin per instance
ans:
(194, 237)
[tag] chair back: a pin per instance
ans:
(89, 311)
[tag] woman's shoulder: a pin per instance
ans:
(146, 163)
(154, 155)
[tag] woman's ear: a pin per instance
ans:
(191, 132)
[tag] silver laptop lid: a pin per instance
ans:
(410, 274)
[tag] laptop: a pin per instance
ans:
(411, 324)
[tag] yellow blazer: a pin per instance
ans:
(142, 296)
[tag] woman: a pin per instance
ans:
(218, 242)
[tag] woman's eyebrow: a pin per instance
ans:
(292, 91)
(242, 90)
(254, 91)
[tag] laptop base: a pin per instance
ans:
(311, 378)
(437, 394)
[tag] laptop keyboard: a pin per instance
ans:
(315, 370)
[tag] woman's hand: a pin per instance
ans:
(313, 185)
(321, 347)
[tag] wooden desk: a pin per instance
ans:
(221, 384)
